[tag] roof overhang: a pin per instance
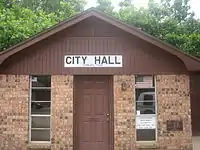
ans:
(192, 63)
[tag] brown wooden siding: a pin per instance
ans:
(195, 102)
(92, 37)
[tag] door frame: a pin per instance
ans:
(110, 107)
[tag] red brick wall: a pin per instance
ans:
(173, 100)
(14, 106)
(62, 112)
(124, 113)
(173, 104)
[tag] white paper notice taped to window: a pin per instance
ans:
(145, 122)
(138, 112)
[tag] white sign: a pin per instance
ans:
(93, 61)
(138, 112)
(145, 122)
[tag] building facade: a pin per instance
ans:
(94, 83)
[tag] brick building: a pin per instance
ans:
(95, 83)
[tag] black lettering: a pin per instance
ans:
(97, 59)
(72, 60)
(104, 60)
(77, 59)
(84, 59)
(109, 60)
(68, 60)
(117, 62)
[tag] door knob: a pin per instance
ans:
(108, 117)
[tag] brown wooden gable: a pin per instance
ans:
(93, 32)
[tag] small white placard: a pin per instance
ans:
(34, 79)
(93, 61)
(145, 122)
(138, 112)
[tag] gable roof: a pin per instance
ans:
(192, 63)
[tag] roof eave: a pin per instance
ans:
(127, 28)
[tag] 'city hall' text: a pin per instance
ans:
(93, 61)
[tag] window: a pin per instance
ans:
(40, 108)
(148, 100)
(145, 108)
(139, 79)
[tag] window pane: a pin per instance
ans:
(148, 97)
(40, 108)
(40, 122)
(146, 107)
(139, 78)
(41, 81)
(145, 94)
(146, 134)
(40, 135)
(144, 81)
(41, 95)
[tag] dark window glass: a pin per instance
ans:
(41, 95)
(149, 99)
(145, 106)
(41, 81)
(40, 135)
(146, 134)
(42, 108)
(153, 81)
(40, 122)
(139, 78)
(140, 93)
(145, 109)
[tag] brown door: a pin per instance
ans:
(93, 113)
